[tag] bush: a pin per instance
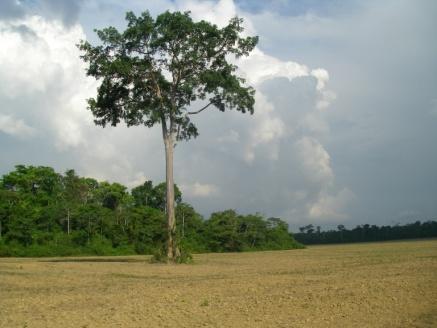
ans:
(193, 246)
(99, 246)
(160, 256)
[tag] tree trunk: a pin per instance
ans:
(173, 251)
(89, 230)
(183, 224)
(68, 221)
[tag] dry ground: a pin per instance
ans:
(391, 284)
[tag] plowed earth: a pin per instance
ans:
(392, 284)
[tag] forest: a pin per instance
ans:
(362, 233)
(44, 213)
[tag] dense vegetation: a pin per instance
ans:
(44, 213)
(313, 235)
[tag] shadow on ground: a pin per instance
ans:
(109, 260)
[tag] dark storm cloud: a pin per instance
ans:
(381, 60)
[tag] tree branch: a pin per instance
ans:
(200, 110)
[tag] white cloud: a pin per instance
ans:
(322, 77)
(330, 207)
(43, 81)
(14, 127)
(40, 65)
(200, 190)
(217, 12)
(259, 67)
(268, 129)
(326, 97)
(314, 161)
(138, 179)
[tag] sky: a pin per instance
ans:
(345, 122)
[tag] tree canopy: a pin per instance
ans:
(155, 69)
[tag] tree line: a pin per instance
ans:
(44, 213)
(310, 234)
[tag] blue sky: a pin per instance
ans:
(345, 124)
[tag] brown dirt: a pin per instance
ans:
(391, 284)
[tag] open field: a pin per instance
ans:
(391, 284)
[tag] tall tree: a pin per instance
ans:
(153, 71)
(143, 194)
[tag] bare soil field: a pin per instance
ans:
(391, 284)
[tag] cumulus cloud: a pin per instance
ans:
(330, 207)
(273, 162)
(314, 161)
(287, 122)
(259, 67)
(40, 63)
(43, 83)
(267, 129)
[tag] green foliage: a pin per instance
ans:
(110, 195)
(143, 195)
(190, 229)
(185, 257)
(229, 232)
(222, 232)
(160, 256)
(147, 195)
(43, 213)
